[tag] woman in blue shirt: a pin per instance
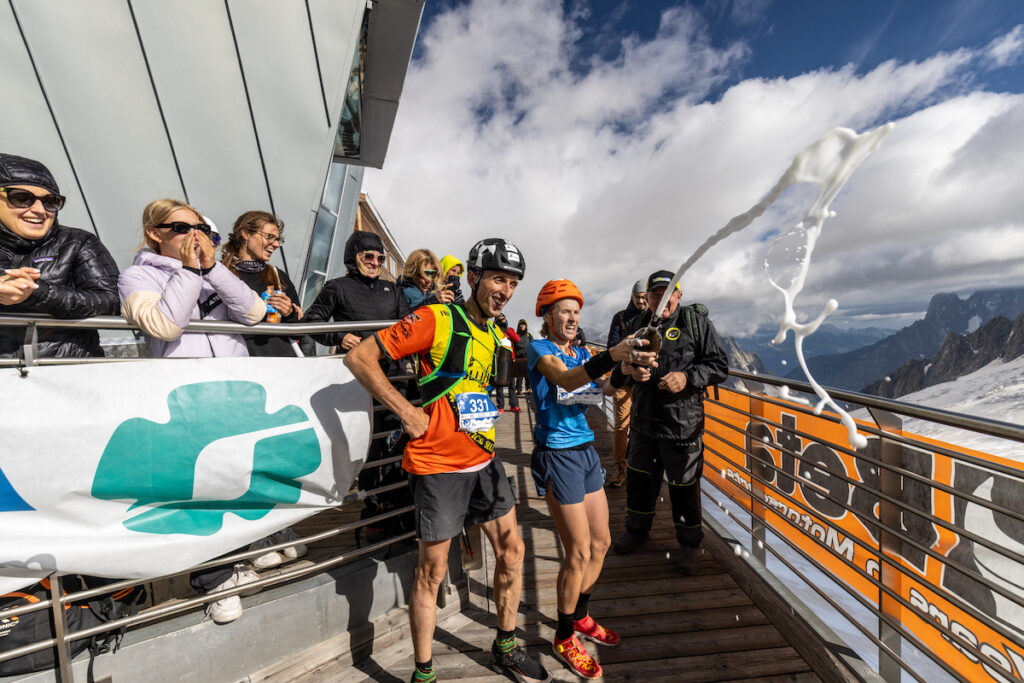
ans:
(565, 465)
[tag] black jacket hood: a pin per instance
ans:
(360, 241)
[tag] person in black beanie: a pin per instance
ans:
(48, 268)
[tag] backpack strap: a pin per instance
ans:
(452, 367)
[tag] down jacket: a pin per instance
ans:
(160, 296)
(78, 280)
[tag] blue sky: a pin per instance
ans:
(609, 139)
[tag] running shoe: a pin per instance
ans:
(579, 661)
(515, 409)
(594, 632)
(518, 665)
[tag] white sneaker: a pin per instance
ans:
(293, 551)
(266, 560)
(244, 575)
(227, 609)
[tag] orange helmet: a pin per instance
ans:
(556, 290)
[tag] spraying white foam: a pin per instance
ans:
(829, 162)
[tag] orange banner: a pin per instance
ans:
(827, 503)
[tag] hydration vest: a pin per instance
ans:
(452, 367)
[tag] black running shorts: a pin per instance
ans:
(450, 501)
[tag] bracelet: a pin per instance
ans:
(599, 365)
(198, 271)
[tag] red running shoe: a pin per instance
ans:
(579, 661)
(516, 409)
(591, 630)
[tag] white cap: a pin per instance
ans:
(639, 287)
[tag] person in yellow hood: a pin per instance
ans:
(451, 273)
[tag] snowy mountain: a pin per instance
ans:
(780, 359)
(947, 313)
(960, 354)
(996, 392)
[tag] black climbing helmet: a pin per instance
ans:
(495, 253)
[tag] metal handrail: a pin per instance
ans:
(1006, 430)
(114, 322)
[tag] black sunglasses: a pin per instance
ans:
(23, 199)
(183, 228)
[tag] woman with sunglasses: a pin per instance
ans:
(419, 280)
(360, 295)
(176, 278)
(254, 238)
(48, 268)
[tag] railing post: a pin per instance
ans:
(890, 575)
(757, 499)
(30, 346)
(64, 673)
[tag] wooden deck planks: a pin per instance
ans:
(674, 628)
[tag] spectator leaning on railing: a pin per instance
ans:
(254, 238)
(419, 281)
(359, 295)
(48, 268)
(176, 278)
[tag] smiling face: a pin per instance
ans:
(261, 244)
(494, 290)
(33, 222)
(564, 319)
(369, 263)
(654, 298)
(640, 301)
(168, 240)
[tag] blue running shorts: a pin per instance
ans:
(573, 472)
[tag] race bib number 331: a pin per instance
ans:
(476, 412)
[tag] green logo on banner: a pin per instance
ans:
(155, 463)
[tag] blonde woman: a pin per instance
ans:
(176, 278)
(419, 281)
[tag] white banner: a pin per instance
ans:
(134, 470)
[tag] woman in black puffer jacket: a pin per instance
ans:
(48, 268)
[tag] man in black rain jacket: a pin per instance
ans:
(668, 422)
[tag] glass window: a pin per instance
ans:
(335, 181)
(346, 143)
(319, 254)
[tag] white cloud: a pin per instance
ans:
(606, 175)
(1007, 49)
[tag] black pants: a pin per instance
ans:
(513, 400)
(680, 463)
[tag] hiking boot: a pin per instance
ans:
(616, 477)
(518, 665)
(628, 542)
(594, 632)
(571, 652)
(268, 559)
(687, 560)
(291, 552)
(225, 610)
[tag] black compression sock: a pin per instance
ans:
(564, 629)
(582, 607)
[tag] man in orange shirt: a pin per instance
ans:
(456, 479)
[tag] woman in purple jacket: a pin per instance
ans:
(176, 278)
